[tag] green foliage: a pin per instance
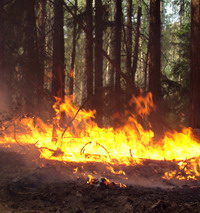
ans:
(175, 47)
(176, 59)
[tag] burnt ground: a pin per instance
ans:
(27, 185)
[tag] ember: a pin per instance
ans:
(103, 182)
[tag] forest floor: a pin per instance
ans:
(27, 185)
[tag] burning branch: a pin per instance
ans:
(83, 148)
(70, 122)
(55, 153)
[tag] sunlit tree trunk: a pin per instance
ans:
(117, 43)
(98, 60)
(73, 54)
(89, 47)
(155, 50)
(31, 59)
(58, 51)
(195, 64)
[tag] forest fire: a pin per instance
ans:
(83, 141)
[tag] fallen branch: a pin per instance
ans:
(83, 148)
(70, 122)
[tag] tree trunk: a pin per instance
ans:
(58, 73)
(129, 39)
(58, 77)
(195, 64)
(42, 51)
(154, 50)
(31, 58)
(2, 77)
(89, 47)
(136, 48)
(156, 117)
(73, 55)
(117, 43)
(98, 60)
(3, 80)
(111, 67)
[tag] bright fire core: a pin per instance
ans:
(84, 141)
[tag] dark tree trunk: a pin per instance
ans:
(156, 117)
(117, 43)
(73, 55)
(2, 74)
(42, 40)
(154, 50)
(42, 49)
(195, 64)
(111, 68)
(58, 73)
(3, 78)
(98, 60)
(129, 38)
(31, 68)
(89, 47)
(58, 77)
(136, 48)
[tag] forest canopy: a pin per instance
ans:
(101, 53)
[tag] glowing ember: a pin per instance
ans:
(102, 182)
(84, 141)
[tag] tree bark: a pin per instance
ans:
(195, 64)
(129, 38)
(2, 77)
(117, 43)
(156, 117)
(89, 47)
(73, 55)
(155, 50)
(31, 58)
(98, 60)
(58, 72)
(58, 77)
(42, 50)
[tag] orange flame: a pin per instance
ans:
(84, 141)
